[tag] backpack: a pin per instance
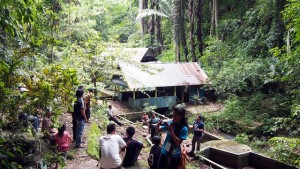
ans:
(184, 157)
(154, 156)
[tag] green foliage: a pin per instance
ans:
(285, 150)
(97, 129)
(93, 136)
(242, 138)
(147, 108)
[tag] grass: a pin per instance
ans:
(93, 136)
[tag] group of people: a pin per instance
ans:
(81, 114)
(161, 156)
(166, 156)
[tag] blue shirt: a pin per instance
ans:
(183, 134)
(198, 125)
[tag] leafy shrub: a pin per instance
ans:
(93, 141)
(285, 150)
(97, 129)
(242, 138)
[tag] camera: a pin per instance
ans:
(164, 123)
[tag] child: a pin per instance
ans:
(63, 140)
(154, 153)
(145, 119)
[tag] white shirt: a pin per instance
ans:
(110, 146)
(110, 112)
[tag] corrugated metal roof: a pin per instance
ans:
(149, 75)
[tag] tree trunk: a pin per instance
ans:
(151, 27)
(177, 27)
(158, 31)
(192, 39)
(183, 42)
(182, 31)
(199, 26)
(143, 4)
(279, 4)
(214, 18)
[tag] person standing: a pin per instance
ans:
(177, 131)
(79, 114)
(133, 148)
(112, 117)
(145, 119)
(154, 153)
(73, 114)
(110, 145)
(198, 127)
(88, 99)
(152, 125)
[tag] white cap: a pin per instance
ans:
(23, 89)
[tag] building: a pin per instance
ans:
(159, 84)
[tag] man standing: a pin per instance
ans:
(133, 148)
(110, 145)
(198, 127)
(112, 117)
(73, 114)
(79, 114)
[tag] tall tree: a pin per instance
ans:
(143, 4)
(179, 29)
(199, 26)
(214, 17)
(192, 39)
(152, 23)
(159, 37)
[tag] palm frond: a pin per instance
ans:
(149, 12)
(166, 6)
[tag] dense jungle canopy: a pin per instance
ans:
(250, 51)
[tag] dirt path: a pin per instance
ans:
(82, 160)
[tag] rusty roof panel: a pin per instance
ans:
(149, 75)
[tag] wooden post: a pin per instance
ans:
(155, 92)
(175, 91)
(134, 94)
(182, 94)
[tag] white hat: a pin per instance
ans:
(23, 89)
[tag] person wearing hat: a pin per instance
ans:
(198, 127)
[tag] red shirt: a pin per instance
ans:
(63, 142)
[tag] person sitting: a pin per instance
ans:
(152, 125)
(133, 148)
(110, 145)
(154, 153)
(145, 119)
(112, 117)
(47, 129)
(25, 119)
(63, 140)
